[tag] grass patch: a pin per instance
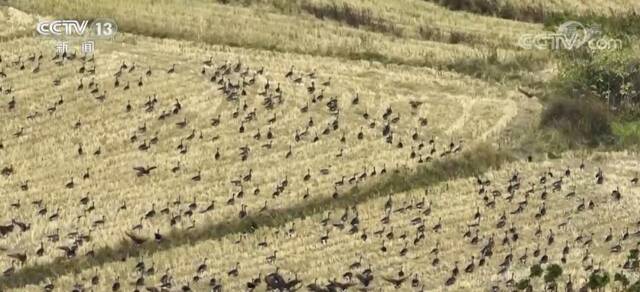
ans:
(627, 133)
(430, 33)
(457, 37)
(490, 66)
(351, 16)
(16, 35)
(580, 121)
(624, 22)
(495, 8)
(621, 25)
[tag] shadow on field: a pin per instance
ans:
(469, 163)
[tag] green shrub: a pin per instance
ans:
(627, 133)
(596, 96)
(352, 16)
(584, 121)
(523, 284)
(535, 271)
(553, 272)
(620, 277)
(618, 25)
(635, 287)
(613, 76)
(598, 280)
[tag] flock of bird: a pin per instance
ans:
(271, 118)
(258, 104)
(513, 227)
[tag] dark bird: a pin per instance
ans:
(69, 251)
(526, 93)
(20, 257)
(137, 240)
(365, 279)
(396, 282)
(142, 171)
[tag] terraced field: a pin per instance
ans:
(270, 145)
(577, 7)
(425, 233)
(431, 35)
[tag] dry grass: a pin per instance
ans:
(450, 201)
(106, 126)
(610, 8)
(253, 27)
(15, 23)
(537, 11)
